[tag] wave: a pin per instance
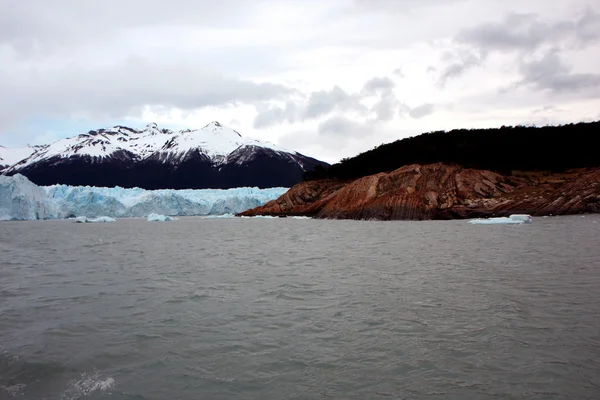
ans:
(87, 385)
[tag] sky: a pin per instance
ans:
(327, 78)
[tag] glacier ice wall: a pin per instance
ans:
(20, 199)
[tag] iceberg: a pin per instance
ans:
(514, 219)
(159, 218)
(20, 199)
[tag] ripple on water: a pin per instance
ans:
(222, 309)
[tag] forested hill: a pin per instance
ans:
(549, 148)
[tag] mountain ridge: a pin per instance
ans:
(440, 191)
(214, 156)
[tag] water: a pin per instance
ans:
(300, 309)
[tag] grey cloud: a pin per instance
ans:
(525, 32)
(276, 115)
(421, 111)
(325, 101)
(39, 25)
(552, 74)
(398, 72)
(376, 85)
(121, 89)
(272, 116)
(546, 109)
(341, 126)
(465, 61)
(385, 108)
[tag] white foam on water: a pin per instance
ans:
(88, 384)
(14, 390)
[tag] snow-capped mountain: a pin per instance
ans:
(11, 156)
(152, 158)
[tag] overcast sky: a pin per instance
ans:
(328, 78)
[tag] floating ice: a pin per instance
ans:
(20, 199)
(159, 218)
(522, 217)
(83, 220)
(514, 219)
(221, 216)
(261, 216)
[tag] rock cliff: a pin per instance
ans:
(441, 191)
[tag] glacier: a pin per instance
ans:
(20, 199)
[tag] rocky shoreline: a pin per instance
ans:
(441, 191)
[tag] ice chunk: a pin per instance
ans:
(101, 219)
(83, 220)
(522, 217)
(159, 218)
(20, 199)
(514, 219)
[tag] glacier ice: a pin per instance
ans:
(20, 199)
(514, 219)
(154, 217)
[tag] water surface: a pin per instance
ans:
(300, 309)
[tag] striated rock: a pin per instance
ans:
(440, 191)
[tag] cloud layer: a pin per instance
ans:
(330, 78)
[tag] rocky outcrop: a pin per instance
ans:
(440, 191)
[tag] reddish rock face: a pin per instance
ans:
(439, 191)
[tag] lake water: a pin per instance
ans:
(300, 309)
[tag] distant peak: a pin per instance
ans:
(214, 124)
(152, 125)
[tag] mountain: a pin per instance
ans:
(440, 191)
(11, 156)
(212, 157)
(548, 148)
(457, 174)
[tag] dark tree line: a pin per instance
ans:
(548, 148)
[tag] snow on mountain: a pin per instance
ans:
(10, 156)
(20, 199)
(214, 141)
(152, 158)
